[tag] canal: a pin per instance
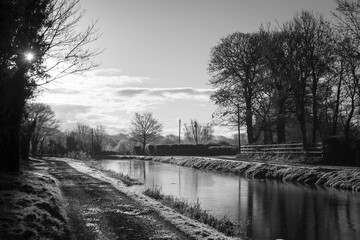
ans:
(268, 209)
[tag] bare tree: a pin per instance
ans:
(144, 129)
(67, 50)
(348, 27)
(83, 136)
(310, 44)
(236, 63)
(276, 53)
(45, 125)
(99, 139)
(198, 133)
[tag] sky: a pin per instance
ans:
(155, 59)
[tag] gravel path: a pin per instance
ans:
(96, 210)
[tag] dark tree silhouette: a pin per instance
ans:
(20, 24)
(43, 118)
(348, 27)
(236, 63)
(46, 31)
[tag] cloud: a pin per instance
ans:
(108, 98)
(167, 93)
(131, 92)
(108, 72)
(70, 114)
(64, 91)
(70, 108)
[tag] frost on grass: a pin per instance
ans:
(194, 211)
(193, 229)
(30, 207)
(341, 178)
(126, 179)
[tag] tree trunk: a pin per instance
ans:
(143, 144)
(12, 101)
(300, 113)
(337, 104)
(267, 133)
(352, 97)
(249, 128)
(248, 120)
(280, 121)
(34, 145)
(9, 150)
(238, 128)
(314, 109)
(348, 120)
(302, 123)
(280, 129)
(25, 146)
(40, 148)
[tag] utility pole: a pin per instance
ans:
(179, 130)
(92, 141)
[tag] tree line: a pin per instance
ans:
(42, 135)
(296, 81)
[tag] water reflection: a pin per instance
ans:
(275, 209)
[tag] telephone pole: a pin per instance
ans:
(196, 133)
(179, 130)
(92, 141)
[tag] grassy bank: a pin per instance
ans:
(341, 178)
(31, 207)
(194, 211)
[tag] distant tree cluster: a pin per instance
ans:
(86, 139)
(302, 75)
(198, 133)
(40, 134)
(38, 127)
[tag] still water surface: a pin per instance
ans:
(276, 210)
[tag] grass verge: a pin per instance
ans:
(126, 179)
(31, 207)
(194, 211)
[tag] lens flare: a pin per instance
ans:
(29, 56)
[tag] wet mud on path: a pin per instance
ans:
(96, 210)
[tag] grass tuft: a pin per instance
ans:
(194, 211)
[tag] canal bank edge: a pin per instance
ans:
(322, 176)
(191, 228)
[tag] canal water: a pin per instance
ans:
(268, 209)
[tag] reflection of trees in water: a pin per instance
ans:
(275, 209)
(279, 210)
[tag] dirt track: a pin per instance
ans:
(96, 210)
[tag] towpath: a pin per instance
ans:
(96, 210)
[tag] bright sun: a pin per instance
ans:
(29, 56)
